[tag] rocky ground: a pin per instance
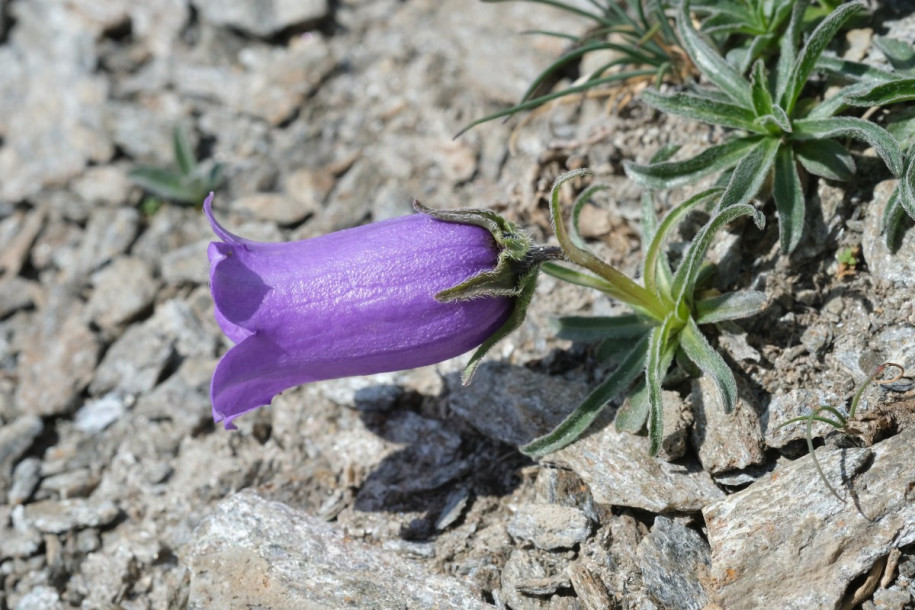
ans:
(402, 490)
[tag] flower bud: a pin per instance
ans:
(370, 299)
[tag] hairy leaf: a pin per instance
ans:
(703, 109)
(710, 62)
(677, 173)
(826, 158)
(789, 200)
(585, 328)
(579, 420)
(729, 306)
(808, 56)
(902, 90)
(750, 173)
(853, 127)
(704, 356)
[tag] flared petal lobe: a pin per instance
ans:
(355, 302)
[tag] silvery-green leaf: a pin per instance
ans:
(574, 276)
(729, 306)
(750, 173)
(587, 328)
(685, 277)
(762, 98)
(633, 414)
(702, 109)
(826, 158)
(167, 184)
(810, 53)
(907, 188)
(836, 103)
(653, 256)
(677, 173)
(902, 90)
(900, 54)
(661, 349)
(788, 47)
(710, 62)
(184, 154)
(895, 221)
(863, 74)
(789, 200)
(704, 356)
(853, 127)
(579, 420)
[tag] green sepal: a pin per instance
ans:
(526, 286)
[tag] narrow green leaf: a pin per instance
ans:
(573, 426)
(584, 328)
(673, 218)
(710, 62)
(826, 158)
(702, 109)
(895, 221)
(633, 413)
(816, 44)
(902, 90)
(762, 98)
(854, 71)
(671, 174)
(580, 201)
(901, 54)
(661, 350)
(853, 127)
(730, 306)
(750, 173)
(574, 276)
(789, 200)
(184, 154)
(566, 7)
(907, 188)
(167, 184)
(704, 356)
(788, 47)
(685, 277)
(835, 104)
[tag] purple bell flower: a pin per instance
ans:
(355, 302)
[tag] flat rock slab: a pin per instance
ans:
(619, 471)
(254, 553)
(817, 548)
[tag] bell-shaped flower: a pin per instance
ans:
(386, 296)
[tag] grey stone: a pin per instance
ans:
(262, 20)
(25, 479)
(565, 488)
(75, 483)
(49, 139)
(795, 403)
(617, 468)
(896, 267)
(753, 541)
(15, 439)
(549, 526)
(95, 416)
(135, 362)
(513, 404)
(59, 516)
(253, 552)
(110, 232)
(103, 184)
(273, 207)
(187, 264)
(40, 598)
(109, 576)
(121, 292)
(674, 559)
(528, 576)
(725, 441)
(15, 293)
(677, 418)
(56, 365)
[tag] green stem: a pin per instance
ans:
(620, 286)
